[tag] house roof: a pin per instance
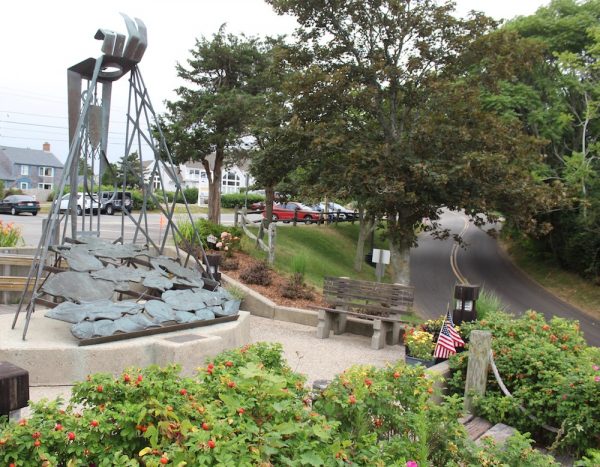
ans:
(30, 157)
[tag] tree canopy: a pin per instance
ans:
(213, 111)
(386, 90)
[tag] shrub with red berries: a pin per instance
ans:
(246, 407)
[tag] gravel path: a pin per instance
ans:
(321, 358)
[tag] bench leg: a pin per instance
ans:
(380, 330)
(340, 323)
(396, 329)
(324, 324)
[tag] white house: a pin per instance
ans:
(193, 175)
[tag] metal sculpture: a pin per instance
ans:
(85, 272)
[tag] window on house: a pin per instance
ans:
(203, 176)
(24, 170)
(195, 173)
(45, 186)
(156, 183)
(231, 179)
(24, 186)
(46, 171)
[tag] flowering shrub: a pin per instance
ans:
(419, 343)
(205, 229)
(549, 370)
(227, 243)
(9, 234)
(246, 407)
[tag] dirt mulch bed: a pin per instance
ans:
(278, 283)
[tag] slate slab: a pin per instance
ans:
(78, 287)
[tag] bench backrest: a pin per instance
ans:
(341, 290)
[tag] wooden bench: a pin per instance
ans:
(382, 304)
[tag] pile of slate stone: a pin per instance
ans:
(175, 294)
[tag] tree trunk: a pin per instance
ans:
(214, 187)
(269, 198)
(367, 225)
(400, 261)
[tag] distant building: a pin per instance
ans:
(193, 175)
(30, 169)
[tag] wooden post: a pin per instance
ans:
(480, 344)
(271, 243)
(295, 217)
(235, 216)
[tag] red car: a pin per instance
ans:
(285, 212)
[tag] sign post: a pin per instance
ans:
(380, 258)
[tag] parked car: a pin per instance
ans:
(285, 212)
(111, 201)
(84, 203)
(257, 206)
(345, 213)
(16, 204)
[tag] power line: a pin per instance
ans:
(48, 116)
(51, 126)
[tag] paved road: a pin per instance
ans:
(436, 266)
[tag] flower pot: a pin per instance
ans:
(418, 361)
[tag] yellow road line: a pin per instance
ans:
(454, 255)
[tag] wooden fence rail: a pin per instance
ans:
(241, 218)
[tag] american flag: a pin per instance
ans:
(445, 344)
(458, 341)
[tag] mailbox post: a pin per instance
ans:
(465, 308)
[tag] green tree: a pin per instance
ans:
(129, 171)
(567, 95)
(389, 101)
(212, 113)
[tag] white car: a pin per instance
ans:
(84, 203)
(345, 213)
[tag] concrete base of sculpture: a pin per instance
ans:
(53, 356)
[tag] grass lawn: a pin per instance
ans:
(327, 251)
(564, 284)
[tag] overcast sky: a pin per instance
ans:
(39, 40)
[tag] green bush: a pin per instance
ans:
(13, 191)
(204, 228)
(246, 408)
(550, 371)
(231, 200)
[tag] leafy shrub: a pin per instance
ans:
(246, 407)
(296, 288)
(10, 235)
(231, 200)
(549, 370)
(13, 191)
(137, 199)
(205, 228)
(259, 274)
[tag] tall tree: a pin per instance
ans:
(212, 113)
(420, 139)
(567, 95)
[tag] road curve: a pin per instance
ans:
(435, 270)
